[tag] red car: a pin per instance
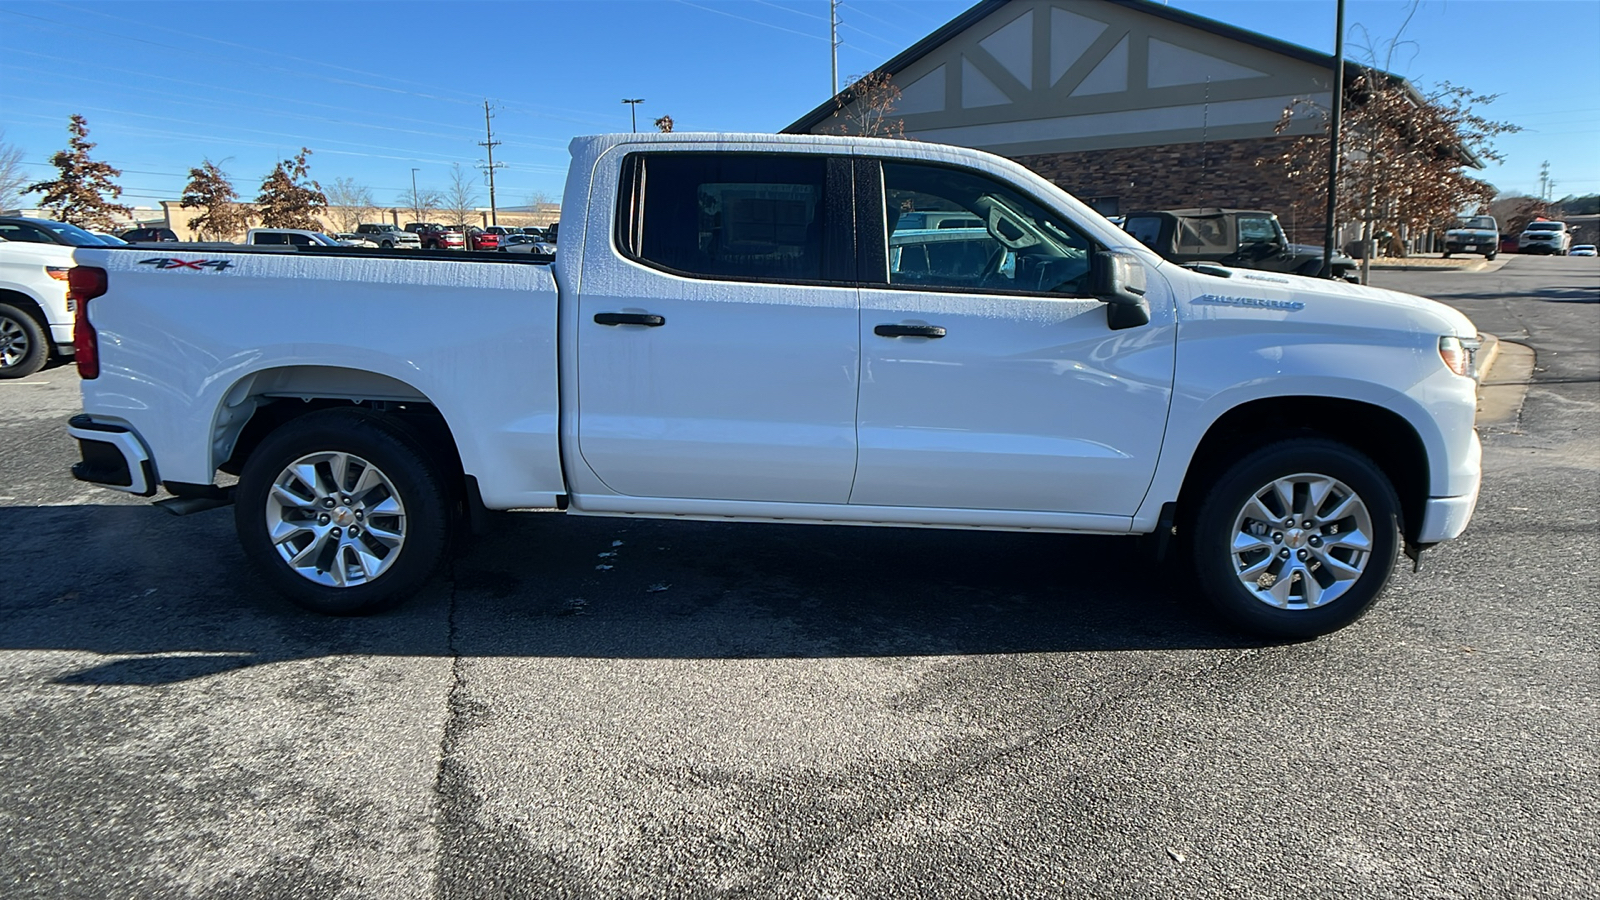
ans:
(438, 237)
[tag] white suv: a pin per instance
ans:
(1545, 237)
(35, 315)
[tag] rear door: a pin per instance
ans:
(717, 329)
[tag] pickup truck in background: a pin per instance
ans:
(388, 236)
(1473, 234)
(1246, 238)
(36, 314)
(726, 335)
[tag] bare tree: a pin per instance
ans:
(83, 190)
(460, 196)
(537, 199)
(210, 191)
(11, 177)
(866, 107)
(423, 203)
(350, 204)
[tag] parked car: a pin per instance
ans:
(149, 236)
(441, 237)
(742, 351)
(296, 237)
(1582, 250)
(1473, 234)
(526, 243)
(388, 236)
(1545, 236)
(1243, 238)
(351, 239)
(494, 237)
(36, 314)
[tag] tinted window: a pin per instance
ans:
(13, 231)
(984, 235)
(270, 238)
(1146, 229)
(726, 215)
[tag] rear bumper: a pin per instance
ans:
(112, 456)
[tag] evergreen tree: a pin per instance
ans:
(82, 193)
(210, 191)
(289, 198)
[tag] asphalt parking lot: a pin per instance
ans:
(608, 708)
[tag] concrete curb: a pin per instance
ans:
(1504, 370)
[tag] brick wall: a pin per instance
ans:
(1173, 176)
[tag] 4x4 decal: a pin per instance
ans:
(199, 265)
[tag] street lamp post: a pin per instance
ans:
(416, 202)
(633, 111)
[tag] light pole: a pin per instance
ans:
(416, 203)
(633, 111)
(1332, 219)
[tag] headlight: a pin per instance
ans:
(1457, 354)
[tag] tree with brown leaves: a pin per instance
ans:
(289, 198)
(664, 124)
(210, 190)
(83, 191)
(1403, 158)
(866, 107)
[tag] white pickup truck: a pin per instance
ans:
(738, 329)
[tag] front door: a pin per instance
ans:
(717, 343)
(990, 379)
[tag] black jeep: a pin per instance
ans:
(1243, 238)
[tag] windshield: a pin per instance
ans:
(1484, 222)
(1545, 226)
(111, 240)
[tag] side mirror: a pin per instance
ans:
(1119, 282)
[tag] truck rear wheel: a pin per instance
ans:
(342, 512)
(1297, 539)
(23, 347)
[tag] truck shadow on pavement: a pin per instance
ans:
(1560, 294)
(132, 596)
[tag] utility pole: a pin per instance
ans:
(1333, 147)
(416, 203)
(633, 111)
(1544, 181)
(489, 143)
(833, 41)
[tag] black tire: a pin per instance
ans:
(1488, 257)
(1447, 253)
(24, 345)
(1212, 533)
(406, 464)
(388, 245)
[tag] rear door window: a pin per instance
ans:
(734, 216)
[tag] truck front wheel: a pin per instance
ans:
(23, 347)
(1296, 539)
(342, 512)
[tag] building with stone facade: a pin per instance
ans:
(1127, 104)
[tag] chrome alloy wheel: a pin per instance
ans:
(1301, 541)
(336, 519)
(14, 344)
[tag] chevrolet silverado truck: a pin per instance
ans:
(726, 335)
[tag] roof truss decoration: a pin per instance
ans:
(1029, 76)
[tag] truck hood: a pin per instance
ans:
(1324, 300)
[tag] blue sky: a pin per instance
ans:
(377, 88)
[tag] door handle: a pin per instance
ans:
(927, 331)
(644, 319)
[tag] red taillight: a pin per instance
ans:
(84, 283)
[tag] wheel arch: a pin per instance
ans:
(261, 402)
(1383, 435)
(28, 304)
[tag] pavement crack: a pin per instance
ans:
(449, 782)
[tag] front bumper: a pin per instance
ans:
(1445, 518)
(112, 456)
